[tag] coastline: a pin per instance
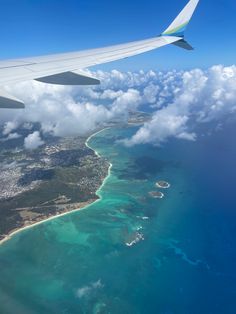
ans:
(97, 154)
(14, 232)
(10, 235)
(91, 136)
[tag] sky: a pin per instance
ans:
(36, 27)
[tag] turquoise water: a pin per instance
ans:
(128, 252)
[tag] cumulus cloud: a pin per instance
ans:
(33, 141)
(179, 101)
(13, 136)
(163, 125)
(9, 127)
(66, 111)
(150, 93)
(194, 97)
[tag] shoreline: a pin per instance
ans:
(10, 235)
(13, 233)
(98, 155)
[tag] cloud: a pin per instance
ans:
(9, 127)
(150, 93)
(33, 141)
(192, 98)
(179, 100)
(13, 136)
(162, 126)
(66, 111)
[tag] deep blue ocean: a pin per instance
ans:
(131, 253)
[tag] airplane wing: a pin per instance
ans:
(67, 68)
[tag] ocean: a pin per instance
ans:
(130, 252)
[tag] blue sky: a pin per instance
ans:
(35, 27)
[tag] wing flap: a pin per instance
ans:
(69, 78)
(10, 102)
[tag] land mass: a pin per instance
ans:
(61, 176)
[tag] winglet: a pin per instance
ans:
(178, 26)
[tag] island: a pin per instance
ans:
(163, 184)
(156, 194)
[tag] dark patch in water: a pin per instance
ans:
(144, 168)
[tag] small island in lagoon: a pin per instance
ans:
(163, 184)
(156, 194)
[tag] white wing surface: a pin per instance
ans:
(67, 68)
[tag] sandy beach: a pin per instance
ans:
(10, 235)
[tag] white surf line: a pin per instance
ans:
(97, 154)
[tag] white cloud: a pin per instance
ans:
(33, 141)
(9, 127)
(13, 136)
(67, 111)
(162, 126)
(195, 96)
(180, 100)
(150, 93)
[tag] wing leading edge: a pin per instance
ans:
(66, 69)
